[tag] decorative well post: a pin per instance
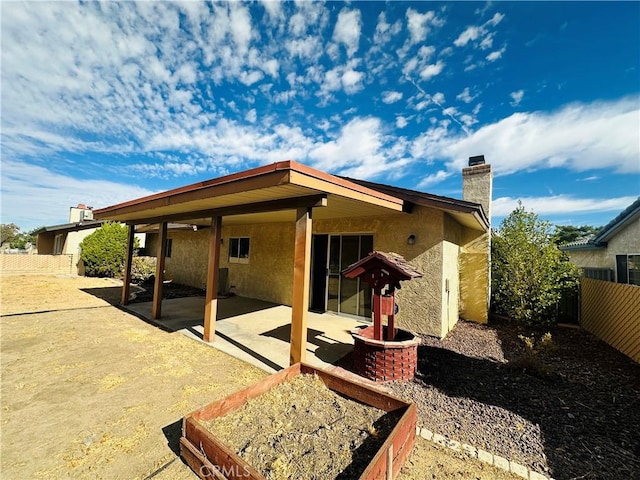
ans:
(384, 353)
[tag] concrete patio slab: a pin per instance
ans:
(255, 331)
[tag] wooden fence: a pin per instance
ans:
(611, 311)
(26, 264)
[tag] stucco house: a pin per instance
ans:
(65, 239)
(613, 253)
(285, 231)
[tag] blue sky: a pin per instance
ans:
(103, 103)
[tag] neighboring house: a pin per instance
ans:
(65, 239)
(286, 231)
(613, 253)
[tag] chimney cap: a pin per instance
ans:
(477, 160)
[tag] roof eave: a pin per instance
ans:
(627, 216)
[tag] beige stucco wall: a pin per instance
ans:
(188, 262)
(475, 278)
(453, 234)
(269, 273)
(626, 241)
(597, 258)
(475, 258)
(267, 276)
(426, 306)
(477, 186)
(420, 300)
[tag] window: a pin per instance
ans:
(168, 247)
(239, 250)
(58, 244)
(628, 269)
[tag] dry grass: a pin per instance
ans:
(89, 391)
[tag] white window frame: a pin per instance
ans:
(58, 244)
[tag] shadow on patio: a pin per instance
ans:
(254, 331)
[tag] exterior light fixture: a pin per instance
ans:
(411, 239)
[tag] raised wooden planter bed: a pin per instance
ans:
(210, 458)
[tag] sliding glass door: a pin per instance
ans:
(344, 295)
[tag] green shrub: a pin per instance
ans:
(529, 274)
(103, 252)
(143, 269)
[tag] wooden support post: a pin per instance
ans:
(156, 308)
(391, 319)
(377, 315)
(213, 269)
(301, 279)
(126, 280)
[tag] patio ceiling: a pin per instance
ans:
(264, 194)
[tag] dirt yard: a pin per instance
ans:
(89, 391)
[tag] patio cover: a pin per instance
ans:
(280, 192)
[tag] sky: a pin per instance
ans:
(107, 102)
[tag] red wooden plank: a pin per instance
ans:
(236, 400)
(204, 452)
(218, 454)
(198, 463)
(358, 391)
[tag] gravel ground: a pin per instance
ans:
(569, 409)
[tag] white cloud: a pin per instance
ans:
(271, 67)
(433, 178)
(496, 19)
(249, 78)
(251, 116)
(240, 25)
(352, 81)
(426, 51)
(391, 96)
(450, 111)
(560, 204)
(438, 98)
(401, 121)
(360, 150)
(432, 70)
(493, 56)
(273, 8)
(480, 35)
(419, 24)
(466, 96)
(307, 48)
(41, 197)
(468, 120)
(385, 31)
(579, 137)
(487, 41)
(516, 97)
(347, 30)
(470, 34)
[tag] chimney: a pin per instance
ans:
(80, 213)
(477, 183)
